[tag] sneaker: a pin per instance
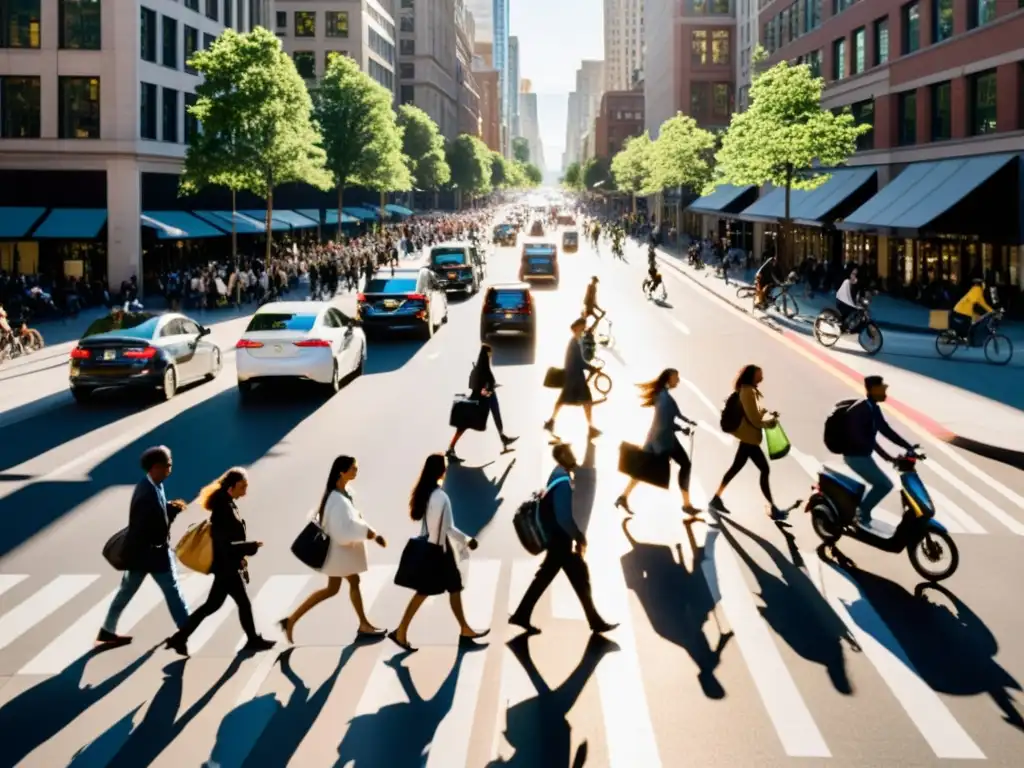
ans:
(507, 441)
(257, 644)
(451, 455)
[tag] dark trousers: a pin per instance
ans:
(492, 404)
(560, 557)
(678, 455)
(746, 452)
(225, 584)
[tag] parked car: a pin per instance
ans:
(403, 300)
(508, 307)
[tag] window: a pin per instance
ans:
(881, 31)
(407, 71)
(906, 117)
(382, 47)
(720, 46)
(407, 3)
(336, 23)
(305, 23)
(19, 107)
(700, 7)
(980, 12)
(864, 114)
(228, 17)
(305, 63)
(147, 34)
(407, 47)
(407, 24)
(212, 9)
(191, 37)
(814, 62)
(699, 46)
(858, 52)
(19, 23)
(192, 5)
(942, 112)
(983, 102)
(147, 111)
(911, 28)
(407, 94)
(191, 121)
(170, 30)
(208, 41)
(720, 6)
(282, 19)
(79, 24)
(721, 95)
(942, 20)
(382, 75)
(838, 6)
(79, 107)
(169, 113)
(839, 59)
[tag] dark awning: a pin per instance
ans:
(16, 222)
(72, 224)
(812, 207)
(178, 225)
(244, 225)
(278, 219)
(921, 194)
(364, 214)
(726, 200)
(401, 210)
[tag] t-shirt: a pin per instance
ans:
(845, 293)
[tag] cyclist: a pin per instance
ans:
(846, 302)
(591, 309)
(965, 319)
(766, 278)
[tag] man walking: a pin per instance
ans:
(147, 549)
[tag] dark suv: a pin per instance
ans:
(508, 307)
(458, 266)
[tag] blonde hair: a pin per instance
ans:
(228, 480)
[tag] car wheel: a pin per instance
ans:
(245, 391)
(169, 387)
(427, 332)
(81, 396)
(335, 386)
(361, 365)
(215, 365)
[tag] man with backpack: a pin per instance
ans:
(852, 431)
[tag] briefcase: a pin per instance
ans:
(468, 414)
(554, 378)
(645, 466)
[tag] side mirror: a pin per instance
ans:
(204, 331)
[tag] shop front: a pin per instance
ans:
(714, 216)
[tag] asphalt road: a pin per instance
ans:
(738, 644)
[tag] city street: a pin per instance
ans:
(740, 643)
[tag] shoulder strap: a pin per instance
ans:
(556, 481)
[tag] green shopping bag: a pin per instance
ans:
(776, 441)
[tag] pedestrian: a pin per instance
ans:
(230, 568)
(430, 506)
(147, 549)
(575, 388)
(661, 438)
(567, 548)
(482, 387)
(346, 558)
(750, 417)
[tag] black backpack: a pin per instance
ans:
(836, 433)
(533, 519)
(732, 414)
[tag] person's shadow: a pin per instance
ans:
(475, 495)
(537, 728)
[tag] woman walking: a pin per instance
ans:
(482, 387)
(230, 570)
(430, 506)
(751, 424)
(576, 389)
(346, 558)
(661, 438)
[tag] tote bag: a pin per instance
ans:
(776, 441)
(312, 545)
(425, 566)
(645, 466)
(114, 550)
(195, 548)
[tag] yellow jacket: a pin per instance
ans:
(974, 297)
(753, 423)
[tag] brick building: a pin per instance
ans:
(620, 116)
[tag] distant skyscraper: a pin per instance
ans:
(492, 25)
(624, 43)
(513, 86)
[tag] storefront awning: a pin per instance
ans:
(72, 224)
(401, 210)
(812, 207)
(278, 223)
(244, 225)
(726, 200)
(16, 222)
(297, 219)
(363, 214)
(332, 218)
(921, 194)
(178, 225)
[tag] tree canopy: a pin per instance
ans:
(631, 167)
(521, 150)
(573, 178)
(470, 163)
(682, 154)
(534, 176)
(597, 174)
(423, 145)
(502, 172)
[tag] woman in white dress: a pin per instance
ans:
(430, 506)
(346, 558)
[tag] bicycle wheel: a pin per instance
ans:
(787, 305)
(828, 327)
(598, 363)
(661, 294)
(744, 292)
(602, 382)
(998, 349)
(946, 343)
(870, 338)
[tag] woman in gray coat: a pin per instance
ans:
(575, 389)
(661, 439)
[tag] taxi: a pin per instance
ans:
(570, 241)
(539, 261)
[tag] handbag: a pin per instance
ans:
(776, 441)
(312, 545)
(114, 550)
(468, 414)
(424, 565)
(645, 466)
(195, 548)
(554, 378)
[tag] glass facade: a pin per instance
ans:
(79, 107)
(20, 23)
(79, 24)
(19, 107)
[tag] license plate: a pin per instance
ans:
(453, 275)
(109, 354)
(390, 304)
(508, 315)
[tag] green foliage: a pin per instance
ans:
(533, 174)
(360, 130)
(631, 167)
(501, 172)
(573, 178)
(785, 132)
(423, 145)
(682, 154)
(521, 150)
(597, 173)
(470, 163)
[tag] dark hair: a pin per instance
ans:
(483, 360)
(649, 390)
(746, 377)
(341, 465)
(433, 469)
(579, 322)
(220, 487)
(159, 455)
(563, 455)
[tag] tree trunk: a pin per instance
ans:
(383, 209)
(234, 249)
(784, 234)
(341, 198)
(270, 212)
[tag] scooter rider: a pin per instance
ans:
(862, 423)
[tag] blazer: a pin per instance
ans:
(662, 436)
(147, 545)
(439, 525)
(347, 530)
(227, 529)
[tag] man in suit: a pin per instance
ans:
(147, 549)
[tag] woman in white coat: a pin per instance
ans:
(346, 558)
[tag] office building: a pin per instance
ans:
(573, 134)
(428, 65)
(624, 43)
(529, 123)
(467, 88)
(584, 104)
(492, 27)
(747, 39)
(513, 85)
(620, 117)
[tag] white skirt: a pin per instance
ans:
(345, 560)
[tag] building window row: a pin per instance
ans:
(709, 47)
(168, 51)
(711, 7)
(78, 107)
(383, 48)
(304, 23)
(79, 24)
(791, 23)
(382, 75)
(381, 19)
(160, 108)
(710, 103)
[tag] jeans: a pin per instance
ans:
(872, 474)
(130, 583)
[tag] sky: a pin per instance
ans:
(554, 36)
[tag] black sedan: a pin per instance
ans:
(403, 300)
(508, 307)
(157, 353)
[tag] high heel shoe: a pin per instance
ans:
(286, 631)
(621, 503)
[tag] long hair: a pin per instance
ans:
(208, 496)
(341, 465)
(746, 377)
(433, 469)
(483, 360)
(649, 390)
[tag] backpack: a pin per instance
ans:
(529, 520)
(836, 435)
(732, 414)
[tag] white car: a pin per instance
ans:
(307, 340)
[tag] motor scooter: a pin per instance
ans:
(833, 509)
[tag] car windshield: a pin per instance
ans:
(136, 325)
(392, 285)
(448, 257)
(281, 321)
(544, 252)
(508, 299)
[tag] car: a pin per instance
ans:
(537, 229)
(457, 266)
(505, 234)
(403, 300)
(158, 353)
(570, 241)
(508, 307)
(300, 341)
(566, 220)
(539, 261)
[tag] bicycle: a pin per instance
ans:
(602, 332)
(600, 380)
(829, 326)
(782, 302)
(997, 347)
(654, 292)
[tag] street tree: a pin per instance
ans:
(533, 174)
(501, 172)
(682, 154)
(783, 135)
(631, 167)
(471, 166)
(360, 131)
(597, 174)
(423, 145)
(521, 150)
(573, 178)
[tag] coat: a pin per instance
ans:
(753, 423)
(147, 544)
(661, 438)
(227, 529)
(575, 390)
(347, 530)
